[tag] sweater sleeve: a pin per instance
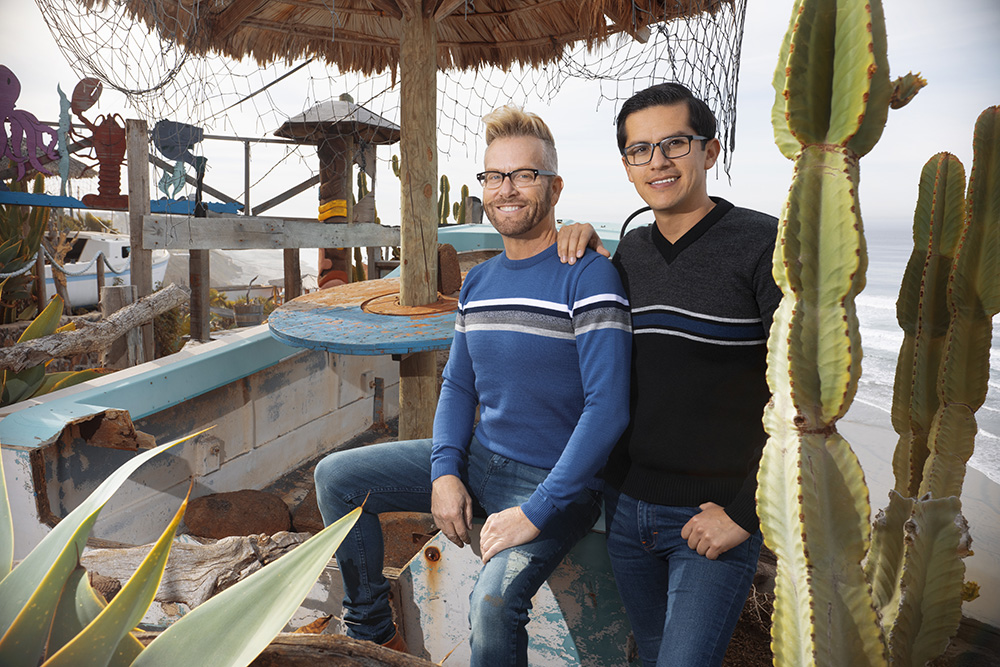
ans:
(743, 507)
(456, 409)
(603, 334)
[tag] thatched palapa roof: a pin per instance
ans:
(364, 35)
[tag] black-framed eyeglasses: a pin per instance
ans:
(519, 178)
(671, 147)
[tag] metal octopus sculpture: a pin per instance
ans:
(24, 129)
(109, 146)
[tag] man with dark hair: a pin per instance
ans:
(542, 349)
(683, 532)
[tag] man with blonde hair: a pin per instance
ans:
(542, 349)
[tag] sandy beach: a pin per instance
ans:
(874, 446)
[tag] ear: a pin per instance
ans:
(628, 172)
(557, 186)
(712, 150)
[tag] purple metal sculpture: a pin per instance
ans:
(109, 146)
(24, 129)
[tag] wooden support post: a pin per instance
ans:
(199, 279)
(126, 351)
(100, 275)
(293, 274)
(137, 141)
(40, 280)
(418, 181)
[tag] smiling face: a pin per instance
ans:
(675, 189)
(526, 213)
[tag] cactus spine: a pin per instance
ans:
(832, 94)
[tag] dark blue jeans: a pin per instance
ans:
(683, 607)
(397, 477)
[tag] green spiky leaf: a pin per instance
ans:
(28, 595)
(95, 645)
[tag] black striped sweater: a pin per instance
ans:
(701, 311)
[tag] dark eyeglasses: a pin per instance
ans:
(671, 147)
(519, 178)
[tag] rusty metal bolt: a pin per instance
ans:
(433, 554)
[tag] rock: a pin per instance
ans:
(307, 518)
(246, 512)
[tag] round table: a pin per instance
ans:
(364, 318)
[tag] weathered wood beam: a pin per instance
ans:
(141, 260)
(445, 8)
(95, 337)
(230, 18)
(231, 232)
(418, 191)
(286, 195)
(387, 7)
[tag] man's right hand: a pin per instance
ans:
(573, 240)
(451, 506)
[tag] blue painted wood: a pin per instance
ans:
(31, 199)
(333, 320)
(186, 207)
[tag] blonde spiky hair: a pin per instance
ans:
(509, 121)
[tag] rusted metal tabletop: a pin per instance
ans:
(364, 318)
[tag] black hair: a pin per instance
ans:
(700, 117)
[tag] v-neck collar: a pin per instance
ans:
(670, 251)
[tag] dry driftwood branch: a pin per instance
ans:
(196, 572)
(98, 336)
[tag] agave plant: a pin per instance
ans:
(21, 230)
(34, 381)
(50, 615)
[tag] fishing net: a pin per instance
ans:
(164, 81)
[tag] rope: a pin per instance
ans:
(82, 271)
(29, 267)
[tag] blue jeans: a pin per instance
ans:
(397, 477)
(683, 607)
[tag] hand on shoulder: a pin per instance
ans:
(573, 239)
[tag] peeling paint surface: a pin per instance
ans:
(576, 619)
(363, 319)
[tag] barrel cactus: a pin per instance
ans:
(832, 95)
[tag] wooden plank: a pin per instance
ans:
(293, 274)
(137, 142)
(199, 277)
(231, 232)
(286, 195)
(228, 20)
(126, 351)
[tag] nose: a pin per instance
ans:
(659, 158)
(507, 186)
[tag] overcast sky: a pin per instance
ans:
(954, 45)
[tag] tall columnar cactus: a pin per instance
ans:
(946, 305)
(832, 97)
(459, 207)
(444, 205)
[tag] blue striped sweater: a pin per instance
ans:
(543, 349)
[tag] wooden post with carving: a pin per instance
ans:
(418, 161)
(137, 138)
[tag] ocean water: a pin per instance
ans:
(889, 248)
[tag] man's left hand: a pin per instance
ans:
(506, 529)
(711, 532)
